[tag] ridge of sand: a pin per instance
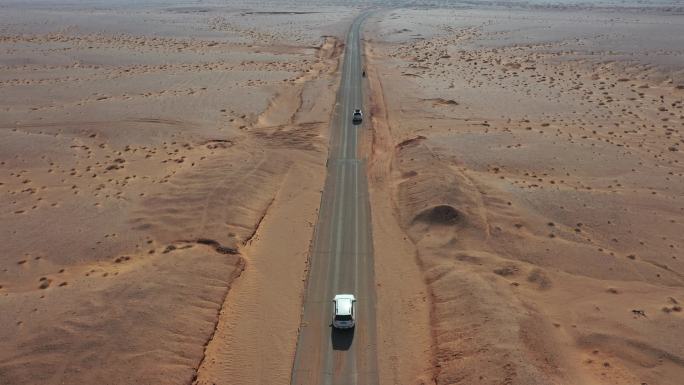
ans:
(257, 333)
(405, 343)
(256, 336)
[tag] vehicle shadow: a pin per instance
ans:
(341, 338)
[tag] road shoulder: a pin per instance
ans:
(403, 314)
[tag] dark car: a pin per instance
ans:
(357, 117)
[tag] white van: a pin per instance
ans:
(344, 312)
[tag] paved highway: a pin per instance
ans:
(342, 252)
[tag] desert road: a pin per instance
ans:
(342, 253)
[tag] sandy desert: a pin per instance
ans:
(149, 154)
(162, 164)
(533, 158)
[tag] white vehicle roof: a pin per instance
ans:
(344, 303)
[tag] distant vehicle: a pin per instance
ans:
(344, 313)
(357, 117)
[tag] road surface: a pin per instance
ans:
(342, 253)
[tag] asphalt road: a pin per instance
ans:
(342, 252)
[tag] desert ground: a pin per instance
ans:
(150, 155)
(161, 168)
(533, 161)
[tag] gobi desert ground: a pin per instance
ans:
(162, 164)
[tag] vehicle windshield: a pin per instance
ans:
(343, 317)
